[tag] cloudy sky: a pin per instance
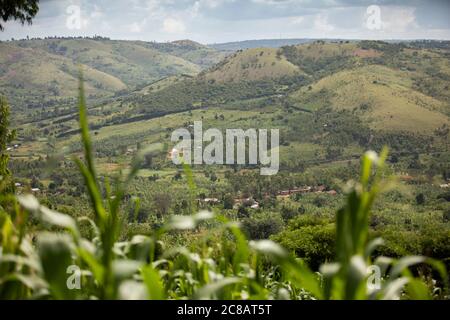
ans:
(213, 21)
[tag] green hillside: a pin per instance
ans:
(40, 76)
(33, 79)
(133, 62)
(192, 51)
(382, 96)
(253, 65)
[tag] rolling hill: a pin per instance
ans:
(253, 65)
(382, 96)
(253, 44)
(33, 78)
(39, 75)
(192, 51)
(132, 62)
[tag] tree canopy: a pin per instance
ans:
(22, 10)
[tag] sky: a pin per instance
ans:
(217, 21)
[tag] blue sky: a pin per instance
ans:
(212, 21)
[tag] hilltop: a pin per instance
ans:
(253, 44)
(252, 65)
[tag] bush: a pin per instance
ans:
(262, 226)
(446, 215)
(320, 201)
(314, 243)
(243, 212)
(228, 202)
(420, 199)
(288, 213)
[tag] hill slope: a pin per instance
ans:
(252, 65)
(32, 76)
(39, 75)
(133, 63)
(381, 96)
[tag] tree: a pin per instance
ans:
(162, 204)
(228, 201)
(22, 10)
(420, 199)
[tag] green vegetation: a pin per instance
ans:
(211, 267)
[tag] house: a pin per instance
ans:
(406, 178)
(320, 189)
(35, 190)
(246, 202)
(255, 206)
(212, 201)
(287, 193)
(175, 153)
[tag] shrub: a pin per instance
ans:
(314, 243)
(420, 199)
(228, 202)
(446, 215)
(288, 213)
(262, 226)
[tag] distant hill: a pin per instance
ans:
(251, 44)
(37, 73)
(382, 96)
(191, 51)
(135, 63)
(251, 65)
(32, 78)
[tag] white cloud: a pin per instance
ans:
(135, 27)
(321, 23)
(172, 25)
(398, 19)
(298, 20)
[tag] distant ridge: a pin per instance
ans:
(265, 43)
(277, 43)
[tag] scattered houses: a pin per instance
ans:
(175, 153)
(308, 189)
(246, 202)
(211, 201)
